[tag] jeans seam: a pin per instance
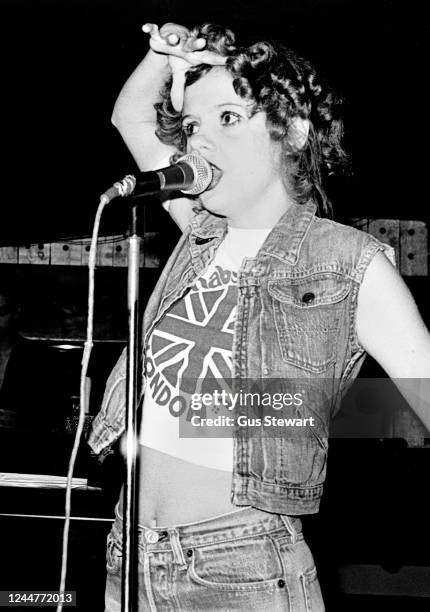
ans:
(305, 593)
(284, 570)
(147, 580)
(237, 538)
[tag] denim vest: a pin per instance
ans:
(295, 321)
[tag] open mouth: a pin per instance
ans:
(217, 174)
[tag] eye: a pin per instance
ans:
(190, 128)
(229, 118)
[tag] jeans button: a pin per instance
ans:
(151, 537)
(281, 583)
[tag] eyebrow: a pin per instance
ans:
(242, 106)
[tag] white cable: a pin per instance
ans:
(82, 404)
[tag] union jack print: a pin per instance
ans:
(193, 341)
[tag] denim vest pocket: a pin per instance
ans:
(307, 313)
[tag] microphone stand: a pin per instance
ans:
(129, 558)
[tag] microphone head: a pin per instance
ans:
(201, 170)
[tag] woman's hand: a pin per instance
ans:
(183, 51)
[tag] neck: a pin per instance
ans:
(265, 212)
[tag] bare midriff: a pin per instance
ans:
(174, 492)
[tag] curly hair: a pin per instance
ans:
(273, 79)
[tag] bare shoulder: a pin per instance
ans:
(381, 272)
(388, 323)
(383, 290)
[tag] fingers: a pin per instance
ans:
(177, 90)
(183, 51)
(150, 28)
(173, 39)
(174, 32)
(156, 43)
(189, 43)
(194, 44)
(208, 57)
(184, 44)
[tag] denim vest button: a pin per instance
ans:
(189, 553)
(308, 297)
(281, 583)
(265, 371)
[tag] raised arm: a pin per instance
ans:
(172, 51)
(134, 115)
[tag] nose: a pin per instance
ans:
(201, 142)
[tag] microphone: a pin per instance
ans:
(191, 174)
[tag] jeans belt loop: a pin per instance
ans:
(290, 527)
(178, 553)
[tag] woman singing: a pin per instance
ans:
(261, 286)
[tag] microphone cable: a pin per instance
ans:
(104, 200)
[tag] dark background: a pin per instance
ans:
(64, 62)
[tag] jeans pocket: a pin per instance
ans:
(247, 564)
(302, 574)
(113, 554)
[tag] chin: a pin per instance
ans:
(223, 199)
(213, 203)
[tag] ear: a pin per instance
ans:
(298, 133)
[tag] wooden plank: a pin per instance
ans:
(66, 253)
(388, 232)
(413, 248)
(9, 254)
(35, 254)
(120, 252)
(111, 251)
(105, 254)
(85, 251)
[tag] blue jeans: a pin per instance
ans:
(246, 560)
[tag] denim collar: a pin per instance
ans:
(205, 225)
(286, 238)
(283, 242)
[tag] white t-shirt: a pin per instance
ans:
(193, 341)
